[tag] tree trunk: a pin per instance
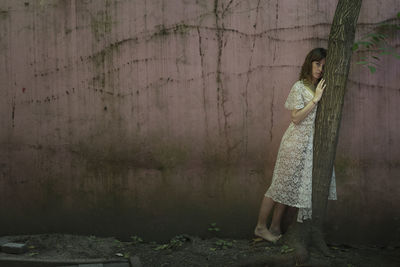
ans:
(329, 113)
(327, 122)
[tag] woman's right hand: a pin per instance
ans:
(319, 91)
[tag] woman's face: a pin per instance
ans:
(317, 69)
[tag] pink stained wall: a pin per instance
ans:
(157, 118)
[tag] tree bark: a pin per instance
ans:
(329, 113)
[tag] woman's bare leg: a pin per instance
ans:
(261, 228)
(277, 218)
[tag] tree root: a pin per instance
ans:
(319, 243)
(298, 237)
(301, 237)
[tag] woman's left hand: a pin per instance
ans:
(319, 91)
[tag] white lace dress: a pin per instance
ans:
(292, 178)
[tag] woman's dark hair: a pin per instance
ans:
(316, 54)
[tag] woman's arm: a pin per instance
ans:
(299, 114)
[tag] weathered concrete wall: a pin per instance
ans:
(159, 117)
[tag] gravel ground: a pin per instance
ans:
(184, 250)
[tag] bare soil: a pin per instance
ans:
(184, 250)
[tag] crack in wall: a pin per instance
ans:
(71, 91)
(218, 75)
(272, 113)
(273, 61)
(245, 93)
(226, 9)
(13, 112)
(182, 28)
(221, 94)
(173, 28)
(203, 75)
(276, 26)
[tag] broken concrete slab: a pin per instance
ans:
(117, 264)
(14, 248)
(4, 240)
(135, 261)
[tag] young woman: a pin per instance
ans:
(292, 178)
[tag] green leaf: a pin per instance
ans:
(377, 58)
(285, 249)
(362, 62)
(372, 69)
(398, 15)
(382, 36)
(388, 26)
(372, 35)
(375, 36)
(376, 39)
(161, 247)
(355, 47)
(385, 25)
(365, 43)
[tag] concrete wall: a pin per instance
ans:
(159, 117)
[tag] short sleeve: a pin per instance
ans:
(295, 98)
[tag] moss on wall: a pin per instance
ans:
(100, 58)
(159, 155)
(4, 14)
(100, 61)
(101, 24)
(179, 28)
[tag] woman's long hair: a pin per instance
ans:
(316, 54)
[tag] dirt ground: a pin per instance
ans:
(184, 250)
